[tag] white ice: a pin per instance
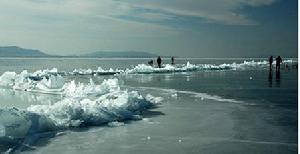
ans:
(110, 104)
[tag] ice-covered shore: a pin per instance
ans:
(55, 84)
(145, 69)
(167, 68)
(81, 105)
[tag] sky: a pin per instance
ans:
(183, 28)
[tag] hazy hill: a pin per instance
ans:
(14, 51)
(120, 54)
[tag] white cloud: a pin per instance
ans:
(151, 16)
(217, 11)
(259, 2)
(56, 25)
(68, 25)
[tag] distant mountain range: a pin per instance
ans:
(15, 51)
(119, 54)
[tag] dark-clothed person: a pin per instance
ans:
(278, 62)
(173, 61)
(271, 62)
(159, 62)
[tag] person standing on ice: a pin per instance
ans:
(159, 62)
(173, 61)
(271, 62)
(278, 62)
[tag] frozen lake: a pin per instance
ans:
(239, 107)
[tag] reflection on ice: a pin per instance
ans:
(173, 93)
(23, 99)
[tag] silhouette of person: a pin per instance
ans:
(271, 62)
(150, 62)
(278, 62)
(173, 61)
(159, 61)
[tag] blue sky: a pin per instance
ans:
(189, 28)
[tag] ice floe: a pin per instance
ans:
(108, 105)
